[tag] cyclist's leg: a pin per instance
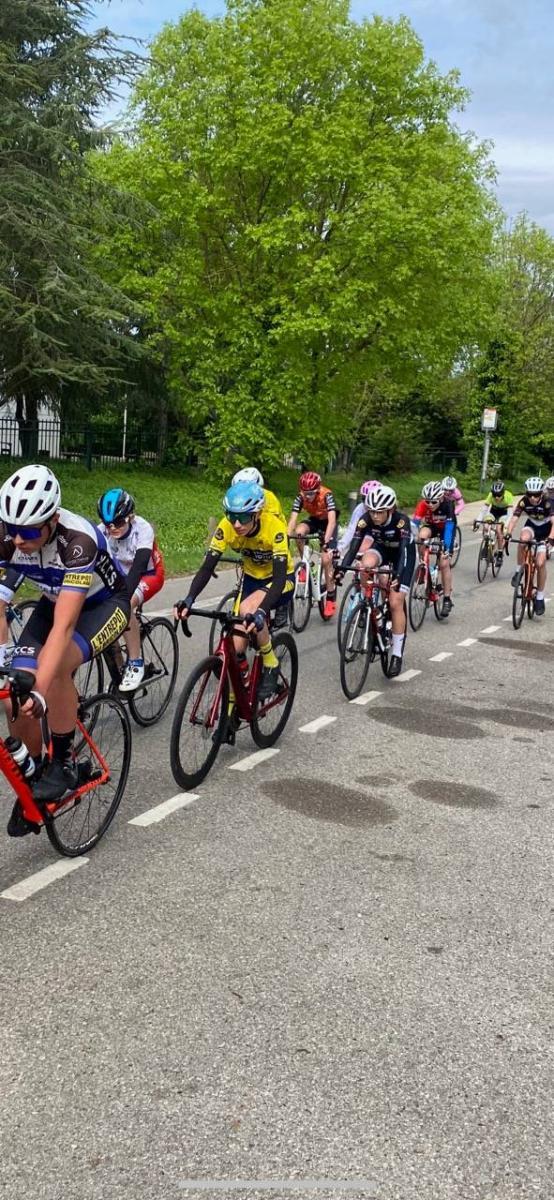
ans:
(370, 560)
(32, 639)
(301, 532)
(147, 587)
(327, 561)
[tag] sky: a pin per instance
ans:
(504, 50)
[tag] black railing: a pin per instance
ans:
(50, 438)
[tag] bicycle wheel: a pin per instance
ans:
(418, 601)
(302, 598)
(356, 651)
(519, 601)
(438, 606)
(270, 717)
(199, 723)
(160, 650)
(456, 546)
(89, 678)
(495, 565)
(350, 600)
(322, 593)
(20, 616)
(483, 559)
(226, 605)
(78, 823)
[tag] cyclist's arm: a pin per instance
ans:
(361, 532)
(514, 518)
(11, 582)
(138, 568)
(297, 505)
(203, 575)
(459, 503)
(331, 516)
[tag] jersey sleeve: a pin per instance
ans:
(78, 555)
(279, 541)
(297, 504)
(145, 539)
(330, 502)
(420, 510)
(220, 541)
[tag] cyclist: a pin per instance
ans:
(268, 581)
(391, 544)
(539, 527)
(549, 488)
(84, 607)
(452, 492)
(359, 511)
(435, 517)
(497, 506)
(323, 515)
(252, 475)
(132, 543)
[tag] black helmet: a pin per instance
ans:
(115, 506)
(498, 488)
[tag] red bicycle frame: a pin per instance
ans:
(425, 562)
(29, 807)
(244, 695)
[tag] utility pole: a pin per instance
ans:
(489, 421)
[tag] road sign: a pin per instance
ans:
(489, 419)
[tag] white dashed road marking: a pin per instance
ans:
(253, 760)
(441, 657)
(319, 723)
(34, 883)
(152, 815)
(406, 675)
(468, 642)
(366, 697)
(491, 629)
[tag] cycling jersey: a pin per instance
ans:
(259, 549)
(441, 520)
(139, 537)
(393, 541)
(319, 506)
(537, 514)
(273, 504)
(459, 503)
(498, 506)
(76, 559)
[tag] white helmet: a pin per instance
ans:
(549, 485)
(449, 483)
(248, 475)
(30, 496)
(534, 484)
(380, 497)
(433, 490)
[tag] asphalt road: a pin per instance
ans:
(335, 969)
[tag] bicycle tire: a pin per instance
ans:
(21, 615)
(322, 594)
(153, 657)
(349, 653)
(211, 665)
(302, 595)
(418, 596)
(495, 566)
(456, 546)
(227, 604)
(346, 605)
(438, 607)
(263, 739)
(531, 608)
(58, 823)
(483, 560)
(519, 600)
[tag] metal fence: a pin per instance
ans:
(90, 444)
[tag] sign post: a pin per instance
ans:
(489, 421)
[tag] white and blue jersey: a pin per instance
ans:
(76, 559)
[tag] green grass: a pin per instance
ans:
(181, 503)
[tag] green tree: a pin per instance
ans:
(317, 221)
(62, 326)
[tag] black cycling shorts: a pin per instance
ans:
(97, 627)
(541, 532)
(317, 527)
(251, 584)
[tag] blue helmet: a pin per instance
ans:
(244, 498)
(115, 505)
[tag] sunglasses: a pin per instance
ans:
(121, 521)
(240, 518)
(29, 533)
(534, 495)
(311, 492)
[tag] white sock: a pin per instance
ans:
(397, 643)
(540, 596)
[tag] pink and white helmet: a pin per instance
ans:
(367, 486)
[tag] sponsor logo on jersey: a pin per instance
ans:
(279, 537)
(109, 632)
(77, 579)
(219, 535)
(77, 551)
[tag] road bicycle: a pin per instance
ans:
(525, 588)
(229, 604)
(80, 819)
(456, 546)
(488, 554)
(426, 586)
(350, 599)
(17, 616)
(309, 582)
(217, 700)
(160, 651)
(368, 631)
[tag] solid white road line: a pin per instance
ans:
(491, 629)
(253, 760)
(441, 657)
(506, 618)
(406, 675)
(34, 883)
(319, 723)
(467, 642)
(152, 815)
(366, 697)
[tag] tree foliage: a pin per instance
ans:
(318, 223)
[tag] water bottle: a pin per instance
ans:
(435, 575)
(243, 668)
(21, 756)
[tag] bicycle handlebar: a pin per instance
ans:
(217, 614)
(21, 684)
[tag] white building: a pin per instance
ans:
(48, 432)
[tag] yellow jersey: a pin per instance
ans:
(257, 550)
(273, 505)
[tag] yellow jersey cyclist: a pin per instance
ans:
(84, 607)
(260, 538)
(539, 527)
(497, 506)
(252, 475)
